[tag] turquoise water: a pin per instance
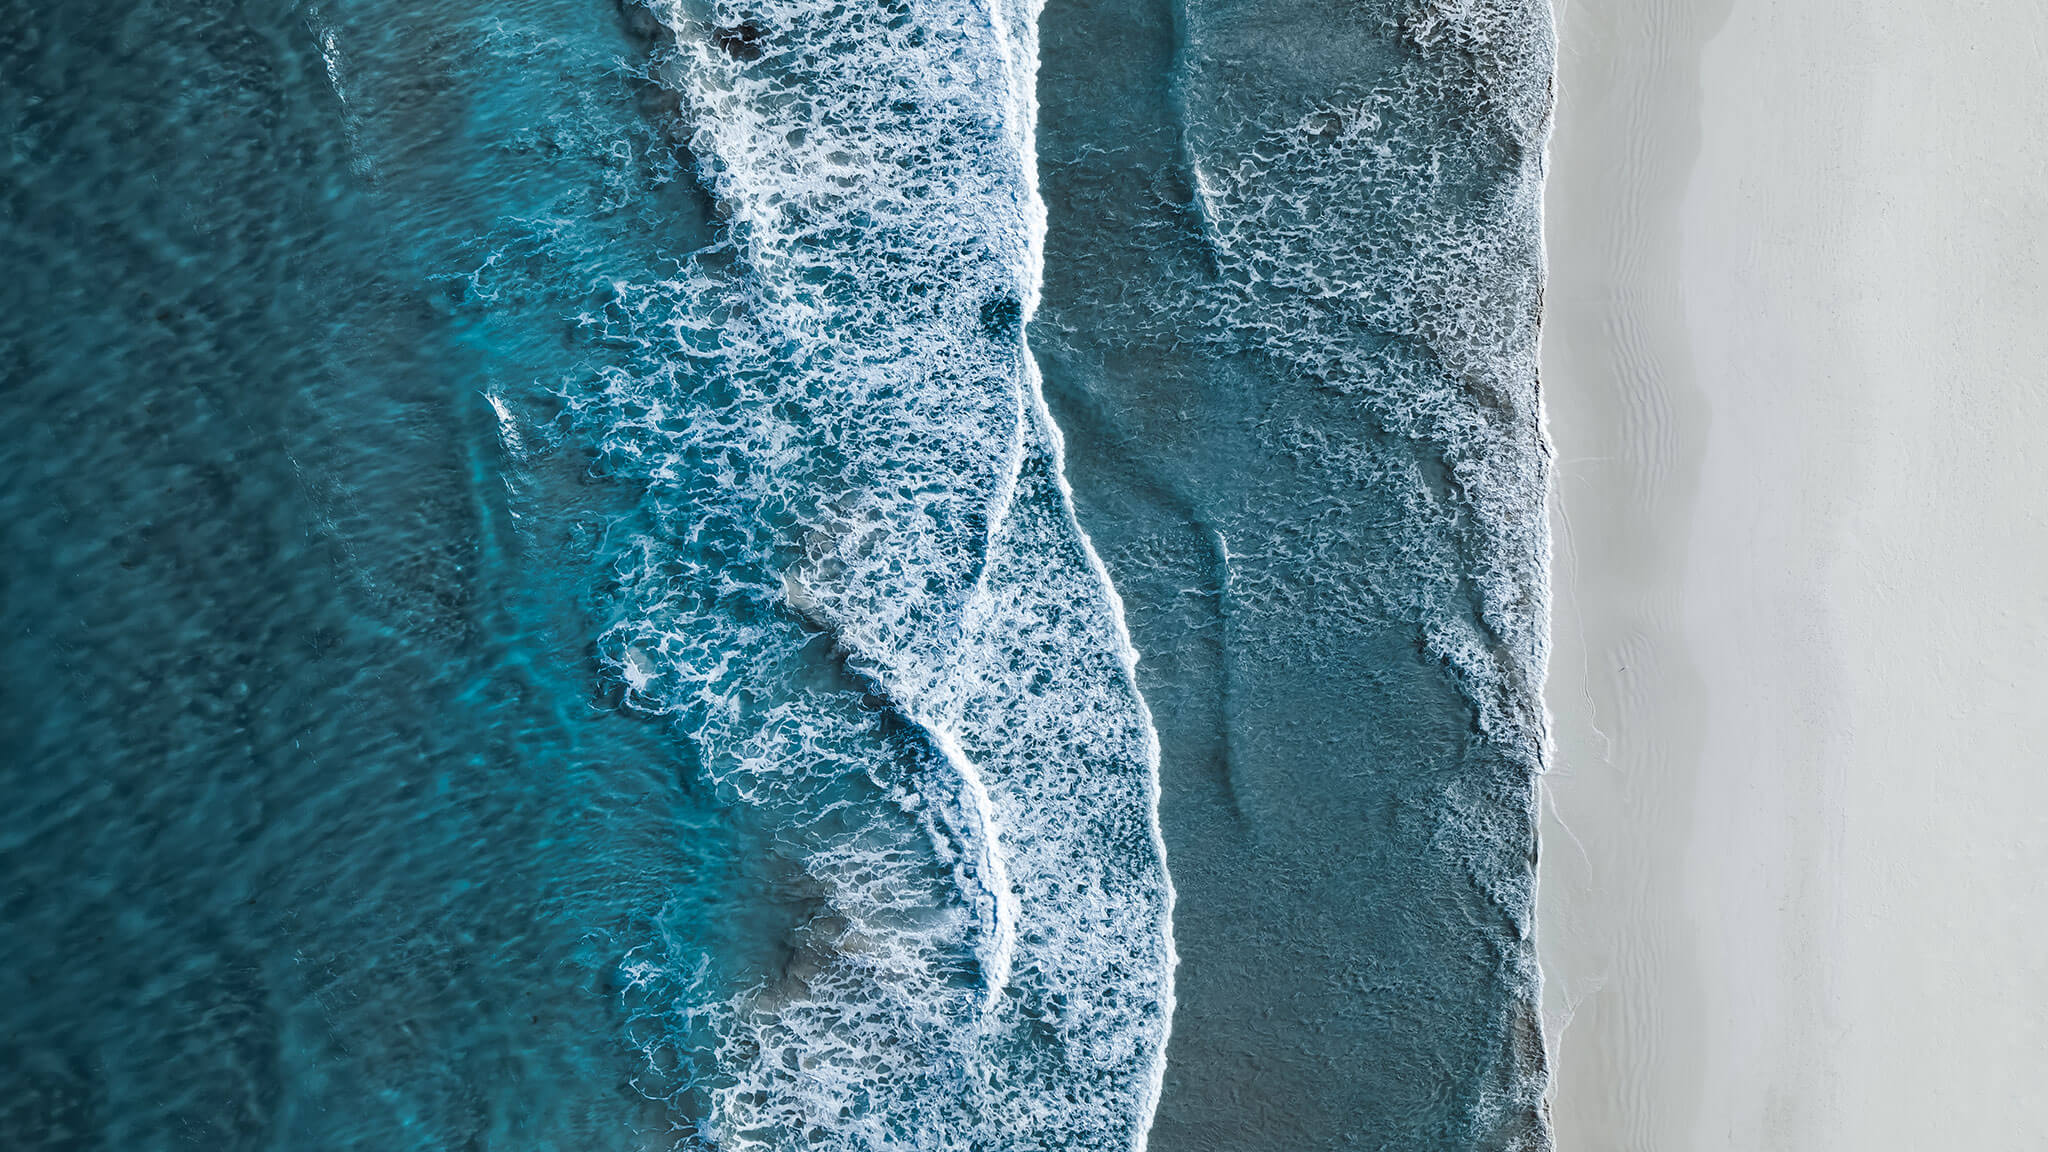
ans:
(546, 608)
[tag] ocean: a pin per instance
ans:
(676, 574)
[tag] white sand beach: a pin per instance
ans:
(1795, 871)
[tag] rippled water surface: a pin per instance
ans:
(545, 608)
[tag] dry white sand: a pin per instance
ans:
(1795, 888)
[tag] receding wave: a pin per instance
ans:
(1372, 211)
(1382, 241)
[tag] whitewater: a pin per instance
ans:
(860, 594)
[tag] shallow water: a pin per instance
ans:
(546, 610)
(1303, 429)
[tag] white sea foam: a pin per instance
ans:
(863, 596)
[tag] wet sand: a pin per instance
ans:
(1795, 854)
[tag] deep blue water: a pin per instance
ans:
(545, 609)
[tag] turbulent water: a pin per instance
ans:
(545, 608)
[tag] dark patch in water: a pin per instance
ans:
(741, 41)
(1002, 317)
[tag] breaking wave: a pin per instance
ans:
(856, 589)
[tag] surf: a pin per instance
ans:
(856, 590)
